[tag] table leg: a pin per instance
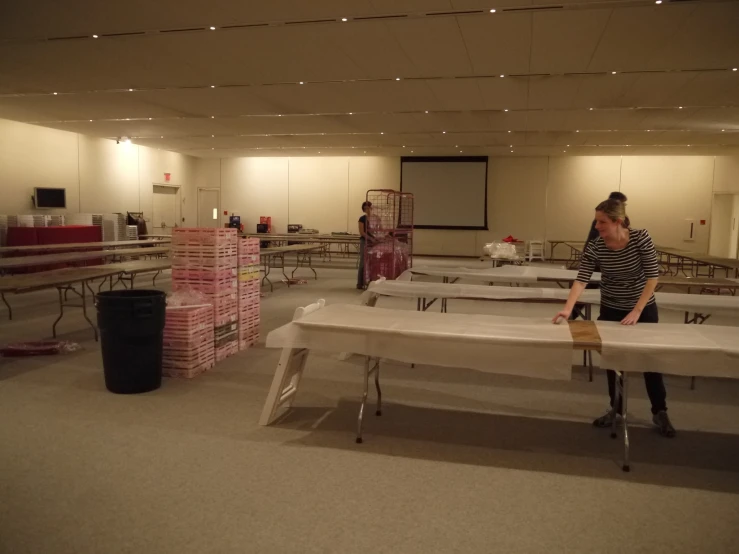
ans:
(154, 280)
(5, 301)
(61, 312)
(377, 387)
(360, 417)
(84, 311)
(267, 269)
(626, 466)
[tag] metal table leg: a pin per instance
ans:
(267, 269)
(368, 370)
(5, 301)
(626, 466)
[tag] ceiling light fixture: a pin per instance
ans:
(577, 131)
(91, 122)
(734, 68)
(344, 19)
(657, 1)
(613, 72)
(722, 130)
(505, 110)
(212, 117)
(502, 76)
(130, 90)
(212, 86)
(301, 82)
(460, 151)
(94, 36)
(443, 132)
(54, 93)
(397, 78)
(212, 28)
(591, 109)
(492, 11)
(126, 140)
(427, 111)
(382, 133)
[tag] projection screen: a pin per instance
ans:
(449, 193)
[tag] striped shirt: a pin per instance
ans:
(624, 272)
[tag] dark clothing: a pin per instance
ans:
(362, 248)
(624, 272)
(364, 220)
(653, 381)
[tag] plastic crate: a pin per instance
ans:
(188, 358)
(197, 280)
(249, 273)
(227, 350)
(188, 373)
(203, 236)
(186, 321)
(248, 246)
(246, 260)
(186, 343)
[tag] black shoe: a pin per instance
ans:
(662, 421)
(360, 287)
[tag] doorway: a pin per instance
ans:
(209, 207)
(166, 209)
(724, 241)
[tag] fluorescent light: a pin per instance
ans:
(502, 76)
(613, 72)
(397, 78)
(212, 28)
(657, 1)
(344, 19)
(443, 132)
(301, 82)
(54, 93)
(679, 107)
(492, 11)
(130, 90)
(94, 36)
(505, 110)
(215, 213)
(91, 121)
(734, 69)
(212, 86)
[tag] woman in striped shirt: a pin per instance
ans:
(630, 270)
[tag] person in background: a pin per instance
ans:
(629, 275)
(364, 237)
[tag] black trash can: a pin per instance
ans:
(131, 326)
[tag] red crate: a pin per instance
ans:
(203, 236)
(184, 343)
(185, 321)
(188, 358)
(227, 350)
(248, 246)
(188, 373)
(186, 279)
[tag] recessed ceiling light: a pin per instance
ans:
(351, 113)
(568, 146)
(301, 82)
(161, 137)
(130, 90)
(427, 111)
(411, 152)
(212, 148)
(366, 151)
(577, 131)
(591, 109)
(212, 86)
(511, 146)
(212, 136)
(657, 1)
(404, 146)
(649, 130)
(734, 68)
(564, 151)
(91, 122)
(460, 151)
(212, 28)
(456, 146)
(344, 19)
(679, 107)
(722, 130)
(613, 72)
(54, 93)
(382, 133)
(502, 76)
(510, 131)
(492, 11)
(443, 132)
(397, 78)
(94, 36)
(505, 110)
(212, 117)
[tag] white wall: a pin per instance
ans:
(99, 175)
(721, 224)
(529, 198)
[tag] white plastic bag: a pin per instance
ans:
(501, 250)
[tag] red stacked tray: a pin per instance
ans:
(205, 260)
(249, 292)
(188, 341)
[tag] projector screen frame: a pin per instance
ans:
(450, 159)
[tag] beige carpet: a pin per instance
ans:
(459, 462)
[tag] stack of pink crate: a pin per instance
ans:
(188, 341)
(205, 260)
(249, 292)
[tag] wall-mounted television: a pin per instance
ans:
(49, 198)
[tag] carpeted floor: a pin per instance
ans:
(460, 461)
